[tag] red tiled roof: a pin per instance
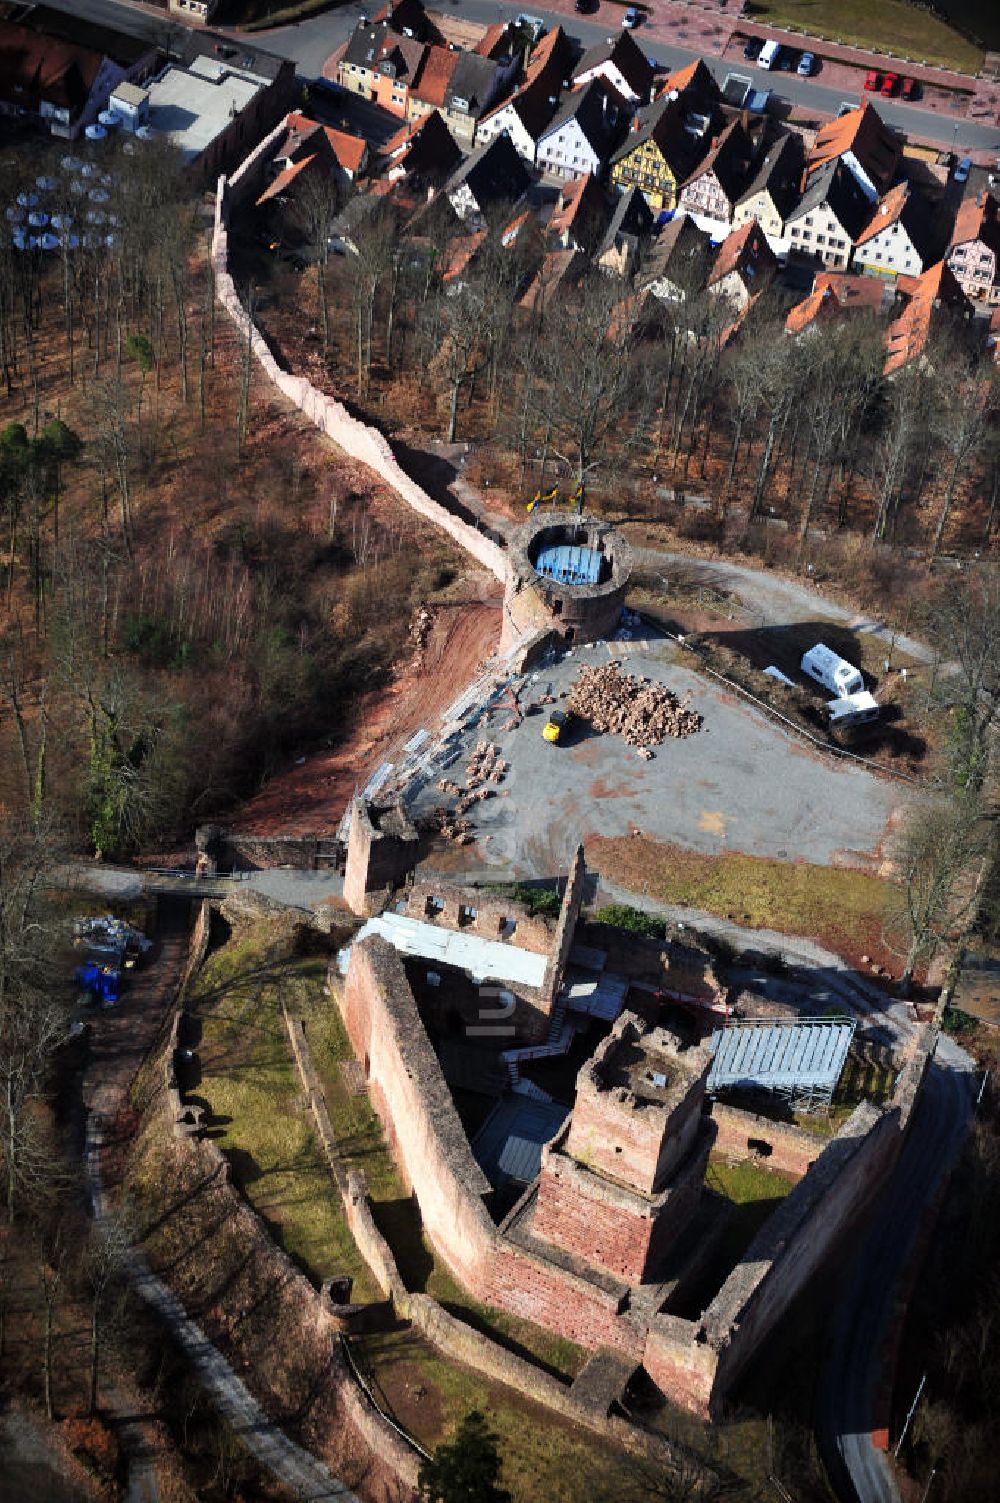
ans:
(285, 179)
(738, 250)
(906, 337)
(490, 38)
(462, 252)
(554, 267)
(977, 219)
(888, 210)
(35, 67)
(821, 305)
(431, 83)
(862, 132)
(350, 150)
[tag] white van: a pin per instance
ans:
(832, 671)
(769, 54)
(853, 709)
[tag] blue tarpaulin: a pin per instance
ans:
(572, 566)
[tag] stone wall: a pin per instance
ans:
(416, 1109)
(480, 913)
(779, 1145)
(569, 913)
(697, 1363)
(357, 439)
(381, 850)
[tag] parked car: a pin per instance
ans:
(963, 169)
(890, 83)
(807, 62)
(630, 19)
(788, 60)
(752, 49)
(909, 88)
(769, 55)
(873, 81)
(584, 7)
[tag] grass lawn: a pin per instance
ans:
(359, 1133)
(261, 1123)
(892, 25)
(840, 908)
(544, 1457)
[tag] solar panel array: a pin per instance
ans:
(795, 1059)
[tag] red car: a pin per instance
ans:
(873, 81)
(890, 84)
(910, 89)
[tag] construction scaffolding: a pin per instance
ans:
(799, 1062)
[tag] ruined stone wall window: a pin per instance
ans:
(433, 906)
(467, 914)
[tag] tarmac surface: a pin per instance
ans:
(739, 784)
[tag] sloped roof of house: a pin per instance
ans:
(679, 244)
(551, 56)
(865, 134)
(497, 41)
(599, 111)
(631, 219)
(493, 172)
(304, 134)
(533, 104)
(902, 205)
(907, 335)
(626, 55)
(835, 293)
(426, 147)
(778, 173)
(662, 123)
(471, 80)
(403, 14)
(556, 266)
(977, 219)
(431, 83)
(745, 247)
(834, 185)
(694, 78)
(462, 252)
(286, 178)
(729, 159)
(34, 67)
(370, 45)
(580, 201)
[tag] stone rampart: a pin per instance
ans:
(356, 438)
(778, 1145)
(416, 1109)
(480, 913)
(569, 913)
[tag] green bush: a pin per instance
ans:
(622, 916)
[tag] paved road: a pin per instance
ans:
(309, 43)
(778, 601)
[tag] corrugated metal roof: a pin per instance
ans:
(601, 996)
(521, 1159)
(487, 959)
(780, 1056)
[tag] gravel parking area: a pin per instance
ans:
(740, 784)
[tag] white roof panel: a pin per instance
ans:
(487, 959)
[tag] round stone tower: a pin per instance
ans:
(565, 574)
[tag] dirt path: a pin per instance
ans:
(309, 799)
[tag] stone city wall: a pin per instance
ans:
(451, 906)
(569, 913)
(790, 1247)
(418, 1115)
(298, 1304)
(330, 416)
(779, 1145)
(416, 1108)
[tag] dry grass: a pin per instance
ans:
(895, 26)
(840, 908)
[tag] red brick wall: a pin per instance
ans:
(603, 1233)
(793, 1149)
(553, 1298)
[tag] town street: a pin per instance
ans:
(309, 43)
